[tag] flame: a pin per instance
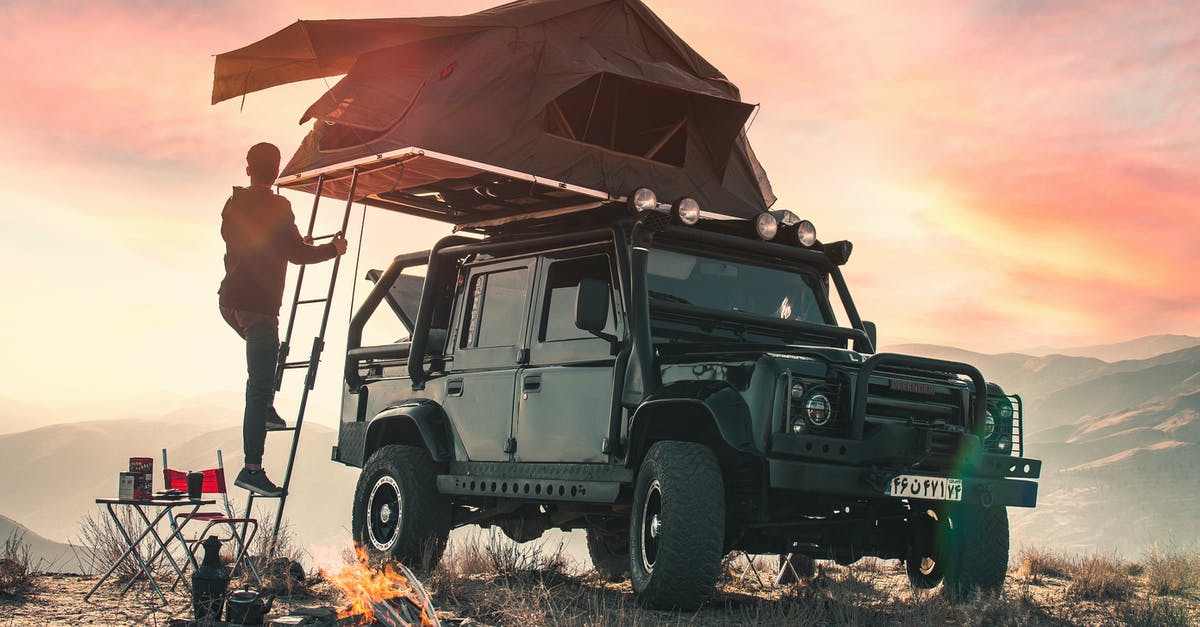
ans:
(368, 589)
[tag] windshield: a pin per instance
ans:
(712, 283)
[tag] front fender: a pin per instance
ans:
(721, 403)
(411, 422)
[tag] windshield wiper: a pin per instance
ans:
(671, 298)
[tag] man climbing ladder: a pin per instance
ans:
(261, 237)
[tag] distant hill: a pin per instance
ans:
(1140, 348)
(44, 555)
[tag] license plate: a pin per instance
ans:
(918, 487)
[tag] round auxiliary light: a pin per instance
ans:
(766, 225)
(1004, 408)
(1004, 443)
(687, 210)
(798, 425)
(806, 233)
(797, 391)
(989, 425)
(818, 410)
(643, 199)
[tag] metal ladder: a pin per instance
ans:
(310, 364)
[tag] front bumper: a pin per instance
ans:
(869, 483)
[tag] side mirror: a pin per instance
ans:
(591, 305)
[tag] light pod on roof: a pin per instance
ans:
(686, 210)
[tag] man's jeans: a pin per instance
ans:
(261, 332)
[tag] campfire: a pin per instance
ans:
(389, 595)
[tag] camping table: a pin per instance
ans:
(166, 506)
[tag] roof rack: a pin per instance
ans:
(472, 195)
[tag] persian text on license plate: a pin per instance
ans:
(918, 487)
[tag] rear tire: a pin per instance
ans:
(398, 513)
(677, 530)
(609, 551)
(977, 555)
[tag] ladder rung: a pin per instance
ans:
(282, 429)
(311, 300)
(295, 364)
(321, 237)
(262, 496)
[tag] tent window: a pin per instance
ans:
(625, 116)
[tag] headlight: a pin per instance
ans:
(817, 410)
(766, 225)
(806, 233)
(1004, 409)
(989, 425)
(687, 210)
(797, 391)
(643, 199)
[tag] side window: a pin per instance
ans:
(493, 316)
(562, 285)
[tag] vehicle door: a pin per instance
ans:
(488, 344)
(565, 391)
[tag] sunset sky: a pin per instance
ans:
(1014, 174)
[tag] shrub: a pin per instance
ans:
(104, 544)
(1099, 578)
(16, 572)
(1173, 573)
(1153, 612)
(1038, 563)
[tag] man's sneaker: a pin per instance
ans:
(274, 422)
(257, 482)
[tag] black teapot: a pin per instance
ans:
(209, 583)
(247, 607)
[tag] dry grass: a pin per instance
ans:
(1100, 578)
(104, 544)
(1037, 564)
(1173, 573)
(16, 571)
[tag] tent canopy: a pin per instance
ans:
(598, 94)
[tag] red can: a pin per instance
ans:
(143, 483)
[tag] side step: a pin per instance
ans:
(532, 489)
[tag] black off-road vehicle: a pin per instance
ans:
(680, 388)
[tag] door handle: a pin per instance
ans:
(454, 387)
(533, 383)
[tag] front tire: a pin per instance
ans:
(977, 555)
(925, 563)
(677, 530)
(398, 514)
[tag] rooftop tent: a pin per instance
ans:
(450, 116)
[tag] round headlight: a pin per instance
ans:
(643, 199)
(797, 391)
(687, 210)
(806, 233)
(766, 225)
(818, 410)
(1004, 409)
(989, 425)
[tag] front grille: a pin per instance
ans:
(920, 401)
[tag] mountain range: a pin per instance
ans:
(1119, 441)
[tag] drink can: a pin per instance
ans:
(125, 487)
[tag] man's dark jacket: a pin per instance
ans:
(261, 237)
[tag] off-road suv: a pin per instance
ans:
(679, 387)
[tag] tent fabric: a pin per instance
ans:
(490, 87)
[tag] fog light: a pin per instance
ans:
(806, 233)
(1004, 443)
(989, 425)
(797, 391)
(766, 225)
(798, 426)
(687, 211)
(643, 199)
(817, 410)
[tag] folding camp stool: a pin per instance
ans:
(214, 483)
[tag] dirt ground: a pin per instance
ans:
(868, 593)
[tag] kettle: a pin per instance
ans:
(247, 607)
(209, 583)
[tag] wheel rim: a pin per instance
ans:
(384, 509)
(652, 527)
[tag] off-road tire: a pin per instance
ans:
(675, 564)
(977, 555)
(609, 552)
(413, 528)
(925, 563)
